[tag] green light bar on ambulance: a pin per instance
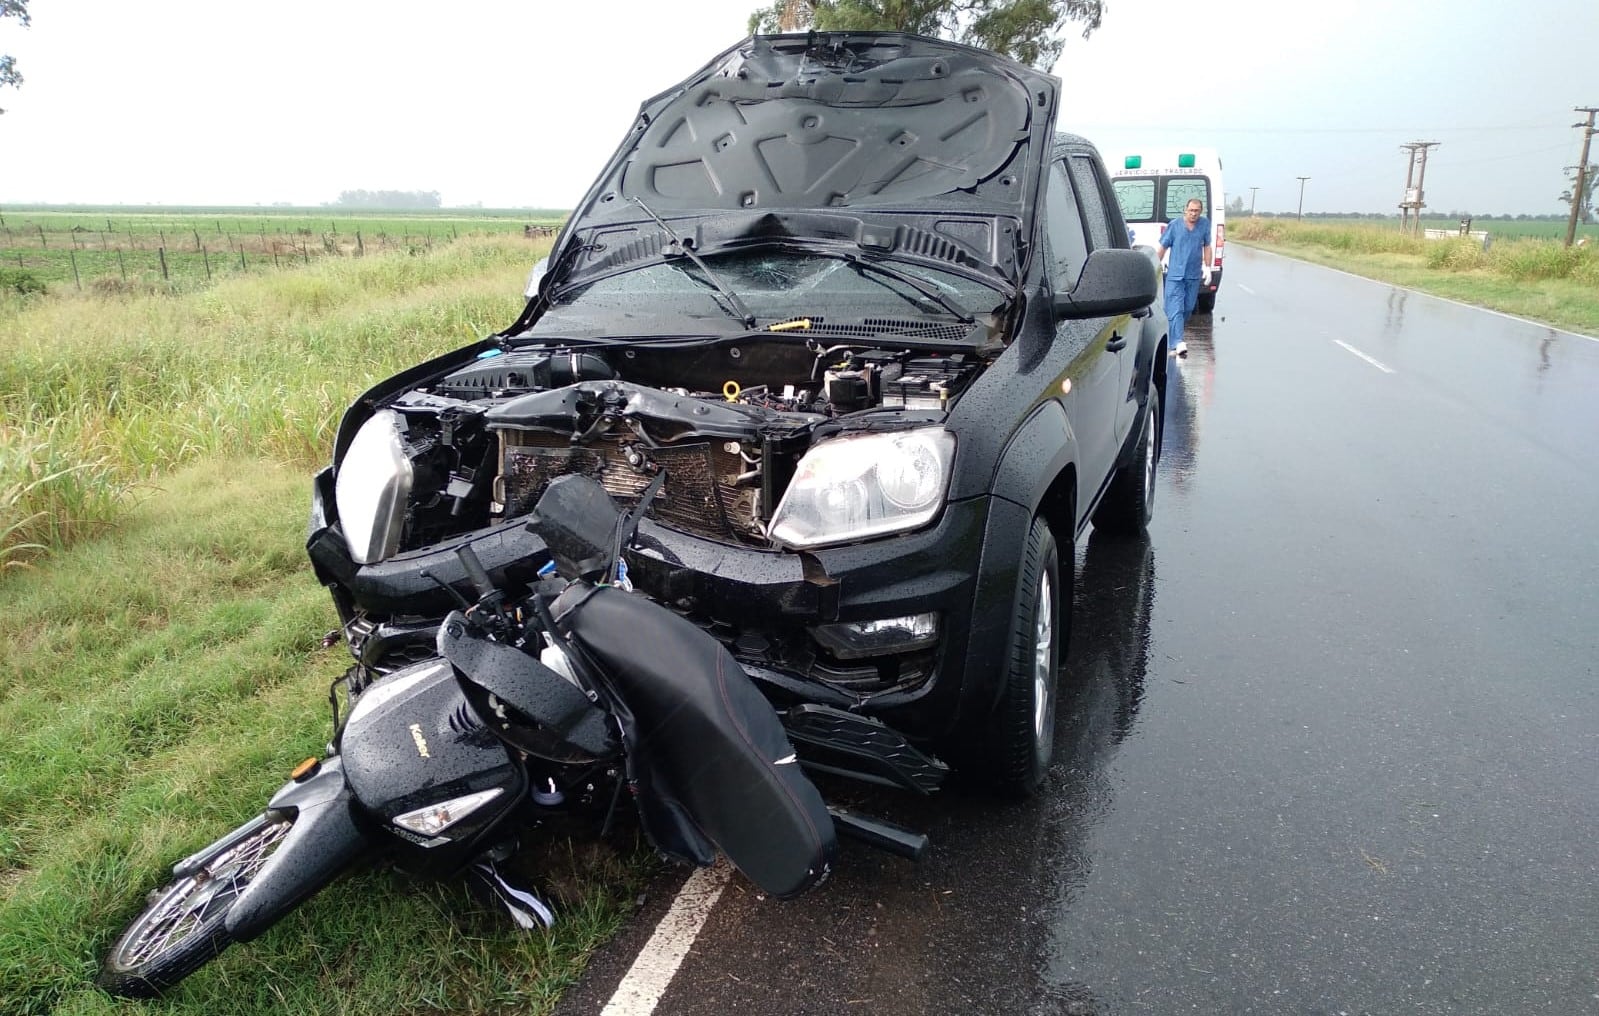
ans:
(1185, 160)
(1133, 162)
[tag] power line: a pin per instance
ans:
(1190, 128)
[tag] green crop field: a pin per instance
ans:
(115, 248)
(1542, 229)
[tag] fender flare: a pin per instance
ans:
(1038, 452)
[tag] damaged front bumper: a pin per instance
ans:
(909, 629)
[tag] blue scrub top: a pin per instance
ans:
(1187, 248)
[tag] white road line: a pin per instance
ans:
(1375, 363)
(652, 972)
(1246, 289)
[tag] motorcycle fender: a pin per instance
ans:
(322, 843)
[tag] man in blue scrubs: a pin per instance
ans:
(1188, 240)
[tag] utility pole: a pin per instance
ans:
(1252, 191)
(1582, 167)
(1301, 180)
(1415, 195)
(1405, 198)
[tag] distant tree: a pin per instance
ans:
(1236, 205)
(1590, 182)
(1023, 30)
(10, 77)
(387, 199)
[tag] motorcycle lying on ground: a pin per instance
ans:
(572, 694)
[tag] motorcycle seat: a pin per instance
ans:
(703, 742)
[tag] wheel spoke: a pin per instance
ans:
(1043, 644)
(189, 904)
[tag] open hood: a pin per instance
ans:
(894, 141)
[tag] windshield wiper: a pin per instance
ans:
(863, 264)
(737, 305)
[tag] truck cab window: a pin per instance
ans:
(1068, 247)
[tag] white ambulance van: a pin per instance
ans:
(1154, 184)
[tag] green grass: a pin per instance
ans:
(1506, 229)
(101, 392)
(160, 657)
(1530, 277)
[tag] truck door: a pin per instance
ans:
(1098, 202)
(1094, 347)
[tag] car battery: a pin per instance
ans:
(928, 382)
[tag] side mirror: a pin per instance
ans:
(535, 277)
(1113, 281)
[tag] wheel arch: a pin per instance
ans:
(1037, 468)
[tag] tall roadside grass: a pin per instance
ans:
(161, 662)
(1533, 277)
(100, 395)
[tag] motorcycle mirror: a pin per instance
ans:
(577, 520)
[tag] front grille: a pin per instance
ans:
(698, 497)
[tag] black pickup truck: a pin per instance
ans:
(879, 325)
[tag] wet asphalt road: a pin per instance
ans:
(1329, 740)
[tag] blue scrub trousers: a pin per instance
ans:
(1181, 295)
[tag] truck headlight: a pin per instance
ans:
(861, 485)
(373, 484)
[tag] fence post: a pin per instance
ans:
(131, 241)
(360, 248)
(305, 252)
(122, 264)
(206, 256)
(197, 240)
(242, 266)
(43, 243)
(275, 263)
(76, 278)
(162, 253)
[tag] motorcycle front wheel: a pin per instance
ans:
(182, 924)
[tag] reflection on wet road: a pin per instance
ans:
(1329, 739)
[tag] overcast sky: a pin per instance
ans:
(519, 104)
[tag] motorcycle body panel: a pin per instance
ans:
(323, 841)
(706, 749)
(566, 726)
(413, 740)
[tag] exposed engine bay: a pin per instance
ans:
(484, 440)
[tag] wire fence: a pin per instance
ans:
(87, 257)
